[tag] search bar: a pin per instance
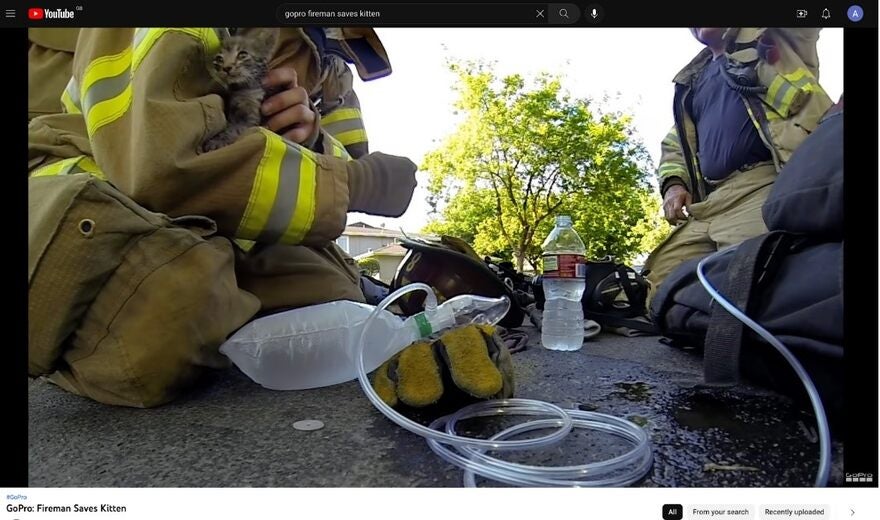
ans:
(475, 14)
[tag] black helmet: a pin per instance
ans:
(451, 267)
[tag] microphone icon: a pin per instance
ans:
(596, 13)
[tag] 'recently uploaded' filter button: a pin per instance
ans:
(795, 512)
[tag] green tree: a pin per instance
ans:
(525, 152)
(369, 265)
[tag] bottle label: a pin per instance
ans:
(565, 266)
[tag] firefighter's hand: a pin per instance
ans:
(289, 113)
(676, 200)
(463, 364)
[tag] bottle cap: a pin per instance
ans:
(563, 220)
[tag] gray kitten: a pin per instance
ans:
(239, 67)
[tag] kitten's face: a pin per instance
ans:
(236, 63)
(242, 60)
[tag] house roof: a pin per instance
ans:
(359, 231)
(389, 250)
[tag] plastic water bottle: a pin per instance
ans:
(562, 326)
(313, 347)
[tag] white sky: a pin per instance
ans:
(409, 112)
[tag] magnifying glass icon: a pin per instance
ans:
(563, 13)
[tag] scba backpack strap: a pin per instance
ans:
(754, 261)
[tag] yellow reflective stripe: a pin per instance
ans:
(106, 90)
(144, 39)
(755, 122)
(262, 197)
(341, 114)
(338, 148)
(56, 168)
(106, 67)
(79, 164)
(352, 136)
(346, 125)
(304, 213)
(671, 168)
(775, 85)
(783, 89)
(281, 205)
(799, 75)
(106, 84)
(86, 164)
(671, 140)
(245, 245)
(804, 80)
(785, 104)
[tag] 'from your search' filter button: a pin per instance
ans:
(720, 512)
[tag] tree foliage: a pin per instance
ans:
(526, 152)
(369, 265)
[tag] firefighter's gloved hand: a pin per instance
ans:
(467, 362)
(381, 184)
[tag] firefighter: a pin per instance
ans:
(741, 108)
(136, 111)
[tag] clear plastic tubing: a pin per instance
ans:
(824, 470)
(469, 453)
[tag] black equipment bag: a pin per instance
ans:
(789, 280)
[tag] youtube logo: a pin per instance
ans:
(38, 13)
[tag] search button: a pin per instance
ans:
(563, 13)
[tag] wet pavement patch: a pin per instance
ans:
(634, 391)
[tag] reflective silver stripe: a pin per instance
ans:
(285, 198)
(776, 102)
(107, 88)
(139, 36)
(338, 127)
(73, 91)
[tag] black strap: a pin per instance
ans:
(627, 284)
(724, 336)
(609, 320)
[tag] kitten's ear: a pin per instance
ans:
(267, 38)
